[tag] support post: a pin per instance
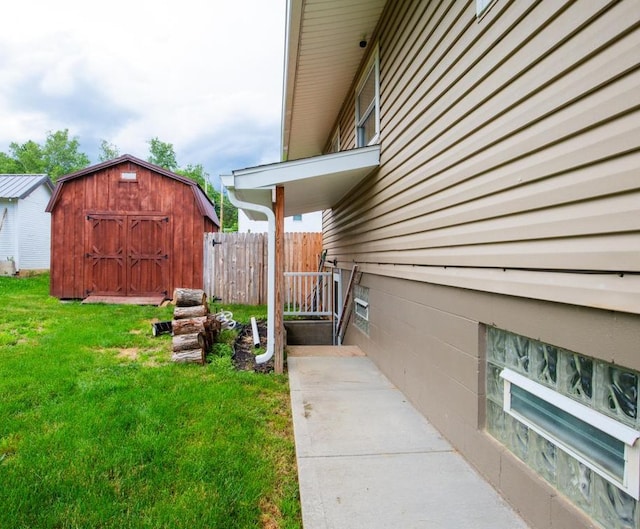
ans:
(279, 302)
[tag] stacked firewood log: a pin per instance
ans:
(194, 328)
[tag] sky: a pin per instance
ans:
(203, 75)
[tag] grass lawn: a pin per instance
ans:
(99, 430)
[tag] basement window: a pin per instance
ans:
(361, 308)
(599, 442)
(129, 177)
(571, 418)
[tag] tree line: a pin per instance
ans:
(60, 155)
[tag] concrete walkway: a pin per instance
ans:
(367, 459)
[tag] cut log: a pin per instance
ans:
(189, 325)
(203, 341)
(184, 342)
(180, 313)
(195, 356)
(210, 334)
(189, 297)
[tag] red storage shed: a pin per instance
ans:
(127, 228)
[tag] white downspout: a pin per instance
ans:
(271, 271)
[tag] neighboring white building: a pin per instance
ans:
(308, 222)
(25, 227)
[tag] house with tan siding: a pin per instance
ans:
(479, 161)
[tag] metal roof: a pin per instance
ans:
(323, 56)
(18, 186)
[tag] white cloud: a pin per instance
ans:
(136, 69)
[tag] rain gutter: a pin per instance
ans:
(227, 181)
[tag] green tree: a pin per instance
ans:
(197, 173)
(108, 151)
(162, 154)
(62, 154)
(8, 165)
(229, 215)
(28, 157)
(230, 212)
(58, 156)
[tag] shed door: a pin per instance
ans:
(148, 255)
(127, 255)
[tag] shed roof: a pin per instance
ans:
(19, 186)
(205, 205)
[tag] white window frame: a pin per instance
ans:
(337, 289)
(482, 6)
(372, 66)
(362, 308)
(334, 146)
(631, 475)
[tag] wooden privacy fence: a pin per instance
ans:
(235, 264)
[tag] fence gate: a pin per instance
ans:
(235, 264)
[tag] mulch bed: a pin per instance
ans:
(244, 357)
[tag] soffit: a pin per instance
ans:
(310, 184)
(322, 58)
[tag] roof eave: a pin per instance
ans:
(318, 32)
(311, 184)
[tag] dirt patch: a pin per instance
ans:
(130, 354)
(270, 514)
(244, 356)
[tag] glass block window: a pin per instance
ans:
(572, 418)
(361, 308)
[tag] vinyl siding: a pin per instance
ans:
(9, 230)
(34, 240)
(509, 144)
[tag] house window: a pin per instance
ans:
(482, 6)
(368, 105)
(297, 218)
(572, 418)
(335, 142)
(361, 308)
(129, 177)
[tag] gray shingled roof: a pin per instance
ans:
(21, 185)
